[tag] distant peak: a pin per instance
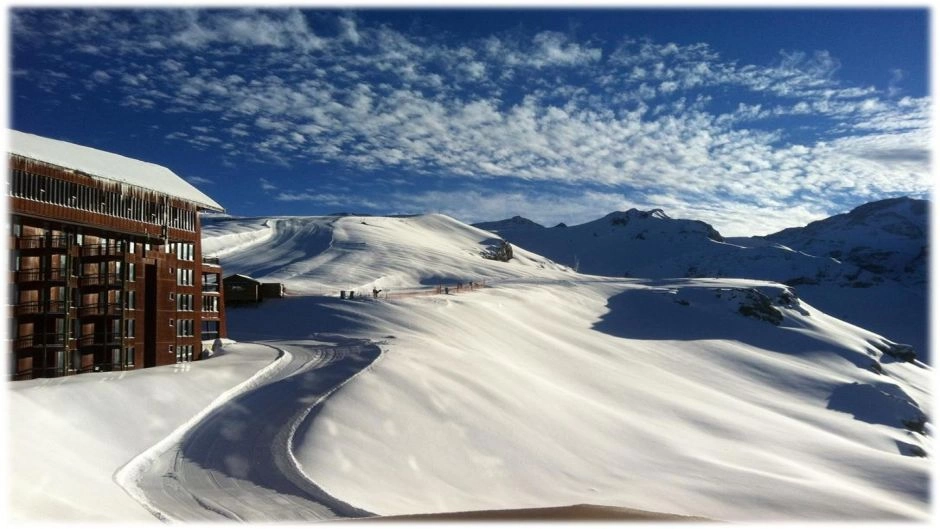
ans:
(513, 222)
(920, 206)
(520, 220)
(634, 213)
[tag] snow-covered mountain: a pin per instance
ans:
(650, 244)
(868, 266)
(322, 255)
(730, 399)
(885, 240)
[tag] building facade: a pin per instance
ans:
(106, 267)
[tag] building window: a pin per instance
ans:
(130, 300)
(184, 302)
(184, 277)
(210, 282)
(129, 356)
(131, 271)
(185, 251)
(184, 353)
(129, 329)
(210, 304)
(184, 328)
(210, 330)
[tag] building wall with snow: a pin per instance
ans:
(106, 270)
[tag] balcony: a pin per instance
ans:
(33, 243)
(58, 340)
(100, 339)
(101, 309)
(101, 280)
(112, 250)
(38, 275)
(38, 307)
(211, 261)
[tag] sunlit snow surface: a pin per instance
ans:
(545, 388)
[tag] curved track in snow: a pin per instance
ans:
(238, 463)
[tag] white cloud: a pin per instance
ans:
(551, 48)
(198, 180)
(100, 76)
(349, 30)
(537, 107)
(266, 185)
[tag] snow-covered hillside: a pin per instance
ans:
(659, 396)
(328, 254)
(730, 399)
(867, 266)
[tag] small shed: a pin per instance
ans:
(240, 288)
(272, 290)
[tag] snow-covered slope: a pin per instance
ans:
(69, 436)
(328, 254)
(867, 266)
(657, 396)
(726, 398)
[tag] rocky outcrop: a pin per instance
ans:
(498, 250)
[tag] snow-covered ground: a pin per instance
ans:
(68, 437)
(721, 398)
(616, 393)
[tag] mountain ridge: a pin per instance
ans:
(853, 265)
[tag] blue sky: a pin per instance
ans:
(750, 119)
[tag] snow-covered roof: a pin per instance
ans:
(107, 166)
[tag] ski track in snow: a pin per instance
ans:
(237, 462)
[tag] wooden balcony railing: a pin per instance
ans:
(39, 307)
(31, 243)
(109, 309)
(40, 339)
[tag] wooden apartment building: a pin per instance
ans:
(106, 268)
